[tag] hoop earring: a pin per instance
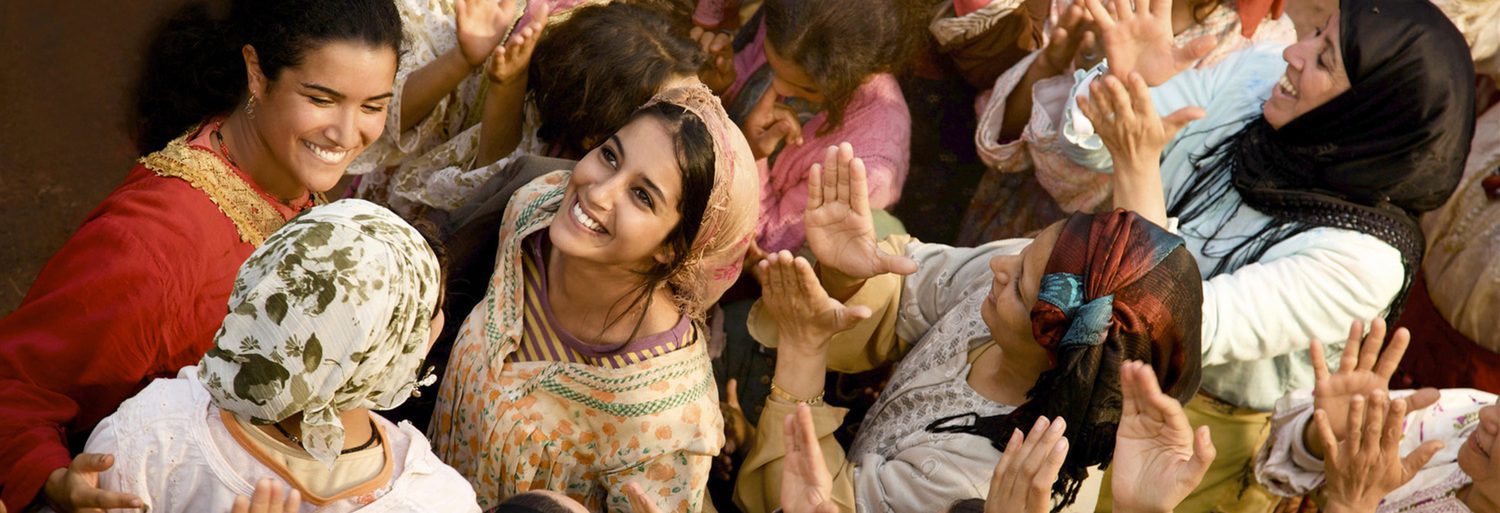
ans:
(250, 107)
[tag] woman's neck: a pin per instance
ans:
(1476, 500)
(357, 427)
(594, 302)
(1004, 378)
(250, 154)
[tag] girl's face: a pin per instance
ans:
(317, 116)
(1314, 75)
(1017, 281)
(622, 200)
(790, 79)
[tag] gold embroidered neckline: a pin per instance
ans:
(254, 217)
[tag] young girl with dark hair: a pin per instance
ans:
(559, 87)
(258, 116)
(585, 366)
(816, 73)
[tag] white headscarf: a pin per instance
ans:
(332, 313)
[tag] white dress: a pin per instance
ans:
(172, 449)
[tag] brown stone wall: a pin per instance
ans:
(66, 74)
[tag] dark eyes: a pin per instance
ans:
(609, 156)
(327, 102)
(644, 196)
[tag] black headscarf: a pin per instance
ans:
(1370, 160)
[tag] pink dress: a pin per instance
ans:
(876, 122)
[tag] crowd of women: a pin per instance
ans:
(537, 236)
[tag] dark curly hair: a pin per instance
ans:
(841, 43)
(592, 71)
(194, 68)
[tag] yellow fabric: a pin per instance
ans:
(1238, 434)
(349, 470)
(758, 487)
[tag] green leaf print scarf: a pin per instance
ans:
(332, 313)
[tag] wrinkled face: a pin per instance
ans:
(1017, 281)
(317, 116)
(1308, 15)
(1477, 456)
(1314, 75)
(789, 79)
(622, 200)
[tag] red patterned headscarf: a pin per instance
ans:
(1116, 287)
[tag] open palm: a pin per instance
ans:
(1363, 369)
(1141, 40)
(481, 26)
(839, 227)
(1159, 459)
(804, 314)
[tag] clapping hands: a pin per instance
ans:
(511, 60)
(1139, 39)
(481, 25)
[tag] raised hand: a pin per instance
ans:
(1367, 464)
(805, 316)
(839, 227)
(1126, 120)
(511, 60)
(1159, 459)
(1135, 136)
(1141, 40)
(1363, 369)
(1023, 479)
(481, 26)
(1068, 37)
(769, 123)
(639, 501)
(718, 69)
(269, 498)
(806, 485)
(75, 489)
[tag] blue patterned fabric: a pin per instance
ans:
(1089, 321)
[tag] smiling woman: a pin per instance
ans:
(585, 367)
(243, 123)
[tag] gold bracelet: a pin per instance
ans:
(782, 395)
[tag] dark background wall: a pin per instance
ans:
(66, 74)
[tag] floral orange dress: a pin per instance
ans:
(511, 424)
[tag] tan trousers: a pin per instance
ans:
(1229, 486)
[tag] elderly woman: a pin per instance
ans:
(988, 340)
(1298, 196)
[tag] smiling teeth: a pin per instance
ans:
(585, 220)
(1285, 84)
(331, 157)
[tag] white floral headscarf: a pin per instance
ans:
(332, 313)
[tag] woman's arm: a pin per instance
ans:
(500, 133)
(481, 25)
